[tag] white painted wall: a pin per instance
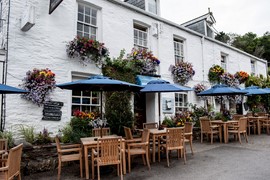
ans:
(44, 46)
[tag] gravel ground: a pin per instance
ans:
(230, 161)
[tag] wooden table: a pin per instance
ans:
(225, 127)
(89, 143)
(155, 133)
(258, 121)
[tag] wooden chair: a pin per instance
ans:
(265, 123)
(108, 152)
(129, 137)
(242, 129)
(251, 124)
(96, 132)
(139, 148)
(236, 117)
(261, 113)
(3, 148)
(208, 129)
(175, 140)
(150, 125)
(12, 164)
(188, 134)
(66, 153)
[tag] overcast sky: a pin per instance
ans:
(235, 16)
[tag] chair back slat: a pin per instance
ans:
(109, 149)
(150, 125)
(243, 124)
(57, 141)
(4, 144)
(188, 128)
(205, 124)
(175, 137)
(145, 135)
(96, 132)
(14, 161)
(128, 133)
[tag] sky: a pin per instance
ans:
(232, 16)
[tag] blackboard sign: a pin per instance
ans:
(53, 5)
(52, 111)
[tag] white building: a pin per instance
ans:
(37, 39)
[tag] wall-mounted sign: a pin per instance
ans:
(167, 105)
(53, 5)
(52, 111)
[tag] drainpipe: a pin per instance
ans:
(4, 78)
(202, 45)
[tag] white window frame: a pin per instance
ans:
(93, 23)
(181, 106)
(223, 61)
(253, 66)
(142, 36)
(91, 106)
(152, 6)
(179, 54)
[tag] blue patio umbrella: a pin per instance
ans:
(100, 83)
(221, 90)
(5, 89)
(256, 90)
(159, 85)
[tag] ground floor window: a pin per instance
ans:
(181, 102)
(87, 101)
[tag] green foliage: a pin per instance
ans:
(67, 134)
(214, 73)
(80, 128)
(118, 111)
(9, 136)
(168, 122)
(28, 133)
(197, 112)
(43, 137)
(223, 37)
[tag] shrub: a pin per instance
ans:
(9, 136)
(43, 137)
(28, 133)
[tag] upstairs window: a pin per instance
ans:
(178, 50)
(152, 6)
(140, 36)
(253, 67)
(223, 62)
(181, 102)
(87, 22)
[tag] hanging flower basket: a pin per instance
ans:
(143, 61)
(199, 88)
(214, 73)
(87, 50)
(182, 72)
(229, 79)
(241, 76)
(39, 83)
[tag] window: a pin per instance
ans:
(253, 68)
(87, 101)
(87, 22)
(181, 102)
(152, 6)
(140, 36)
(178, 50)
(223, 62)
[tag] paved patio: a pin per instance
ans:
(248, 161)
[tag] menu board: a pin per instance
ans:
(52, 111)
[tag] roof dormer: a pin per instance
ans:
(152, 6)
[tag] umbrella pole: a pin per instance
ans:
(101, 105)
(159, 114)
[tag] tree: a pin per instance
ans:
(223, 37)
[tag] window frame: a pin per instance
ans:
(223, 61)
(89, 24)
(253, 67)
(179, 52)
(139, 28)
(184, 105)
(76, 76)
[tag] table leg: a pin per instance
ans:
(86, 162)
(225, 129)
(124, 159)
(154, 148)
(259, 126)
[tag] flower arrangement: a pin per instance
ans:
(180, 118)
(39, 83)
(182, 72)
(229, 79)
(144, 61)
(242, 76)
(199, 88)
(84, 115)
(87, 50)
(214, 73)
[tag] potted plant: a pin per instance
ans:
(182, 72)
(167, 122)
